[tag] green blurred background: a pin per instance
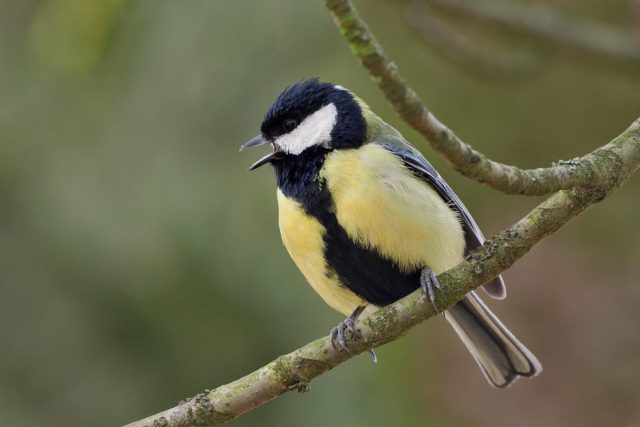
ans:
(140, 263)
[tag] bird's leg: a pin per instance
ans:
(337, 333)
(429, 284)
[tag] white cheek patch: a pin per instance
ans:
(314, 130)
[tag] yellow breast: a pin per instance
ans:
(302, 236)
(382, 205)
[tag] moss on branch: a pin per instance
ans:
(583, 181)
(614, 163)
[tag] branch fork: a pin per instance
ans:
(576, 184)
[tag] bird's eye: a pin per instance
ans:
(289, 125)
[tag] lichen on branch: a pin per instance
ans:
(294, 371)
(582, 182)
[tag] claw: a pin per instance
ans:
(332, 336)
(342, 341)
(338, 333)
(429, 284)
(350, 324)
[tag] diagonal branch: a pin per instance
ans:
(591, 179)
(469, 162)
(614, 164)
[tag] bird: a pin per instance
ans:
(368, 220)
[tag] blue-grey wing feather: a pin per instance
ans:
(415, 161)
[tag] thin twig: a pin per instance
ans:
(618, 160)
(469, 162)
(544, 23)
(607, 168)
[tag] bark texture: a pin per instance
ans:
(576, 185)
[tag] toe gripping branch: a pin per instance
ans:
(348, 324)
(429, 284)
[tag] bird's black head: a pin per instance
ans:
(311, 115)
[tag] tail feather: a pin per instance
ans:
(502, 358)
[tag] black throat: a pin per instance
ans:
(298, 177)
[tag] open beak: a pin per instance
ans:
(254, 142)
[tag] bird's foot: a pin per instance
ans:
(429, 284)
(338, 333)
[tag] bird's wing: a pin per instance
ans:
(412, 158)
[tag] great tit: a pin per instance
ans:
(368, 220)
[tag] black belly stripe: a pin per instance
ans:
(364, 271)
